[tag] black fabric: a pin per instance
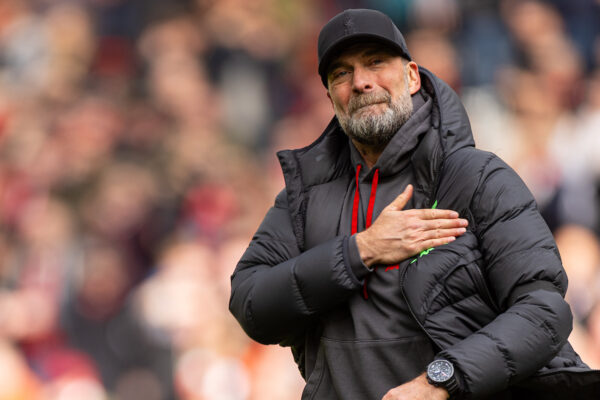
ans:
(491, 302)
(567, 384)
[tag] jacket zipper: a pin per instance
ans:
(412, 313)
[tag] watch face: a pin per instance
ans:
(440, 371)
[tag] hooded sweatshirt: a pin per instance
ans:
(374, 331)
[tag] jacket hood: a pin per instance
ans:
(455, 128)
(331, 149)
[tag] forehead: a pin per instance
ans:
(362, 49)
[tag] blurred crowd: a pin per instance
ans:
(137, 142)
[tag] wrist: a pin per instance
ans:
(364, 249)
(441, 392)
(436, 392)
(353, 260)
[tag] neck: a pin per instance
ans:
(369, 153)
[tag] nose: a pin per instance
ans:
(362, 80)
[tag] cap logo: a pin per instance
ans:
(348, 25)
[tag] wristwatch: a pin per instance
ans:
(440, 373)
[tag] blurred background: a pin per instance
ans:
(137, 142)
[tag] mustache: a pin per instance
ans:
(367, 99)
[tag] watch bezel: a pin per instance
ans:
(438, 379)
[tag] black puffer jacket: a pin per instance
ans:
(491, 302)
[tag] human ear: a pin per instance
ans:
(329, 97)
(414, 78)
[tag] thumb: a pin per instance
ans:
(400, 201)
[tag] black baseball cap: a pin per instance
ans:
(353, 25)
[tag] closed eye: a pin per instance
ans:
(338, 74)
(377, 61)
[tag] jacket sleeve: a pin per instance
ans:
(526, 276)
(277, 290)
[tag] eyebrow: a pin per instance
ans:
(365, 53)
(335, 65)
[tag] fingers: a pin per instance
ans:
(443, 233)
(437, 214)
(432, 243)
(400, 201)
(417, 224)
(433, 238)
(445, 223)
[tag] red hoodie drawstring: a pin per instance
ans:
(370, 207)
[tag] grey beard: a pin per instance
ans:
(375, 129)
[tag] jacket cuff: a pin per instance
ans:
(353, 260)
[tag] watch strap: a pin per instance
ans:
(451, 386)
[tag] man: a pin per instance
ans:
(364, 267)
